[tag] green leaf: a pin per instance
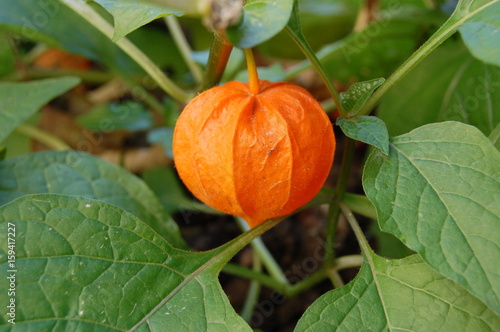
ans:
(371, 53)
(87, 265)
(130, 115)
(478, 23)
(358, 93)
(482, 41)
(387, 245)
(163, 136)
(7, 56)
(56, 25)
(438, 192)
(450, 84)
(166, 186)
(367, 129)
(262, 19)
(495, 136)
(19, 101)
(130, 15)
(77, 173)
(336, 17)
(398, 295)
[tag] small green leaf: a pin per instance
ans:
(367, 129)
(87, 265)
(262, 19)
(358, 93)
(130, 115)
(463, 89)
(19, 101)
(438, 192)
(132, 14)
(478, 23)
(482, 41)
(398, 295)
(481, 34)
(77, 173)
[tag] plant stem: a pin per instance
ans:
(253, 292)
(180, 39)
(84, 10)
(363, 243)
(340, 189)
(360, 204)
(46, 138)
(443, 33)
(253, 74)
(341, 263)
(220, 50)
(309, 53)
(266, 257)
(262, 278)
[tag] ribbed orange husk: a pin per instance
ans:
(254, 156)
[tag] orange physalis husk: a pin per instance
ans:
(256, 156)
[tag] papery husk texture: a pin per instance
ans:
(257, 156)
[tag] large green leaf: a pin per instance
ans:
(77, 173)
(86, 265)
(19, 101)
(448, 85)
(439, 191)
(129, 15)
(398, 295)
(55, 24)
(262, 19)
(52, 22)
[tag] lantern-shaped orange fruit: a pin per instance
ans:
(257, 156)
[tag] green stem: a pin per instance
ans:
(360, 204)
(341, 263)
(267, 258)
(47, 139)
(309, 53)
(335, 278)
(84, 10)
(253, 292)
(340, 189)
(180, 39)
(443, 33)
(220, 50)
(264, 279)
(363, 243)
